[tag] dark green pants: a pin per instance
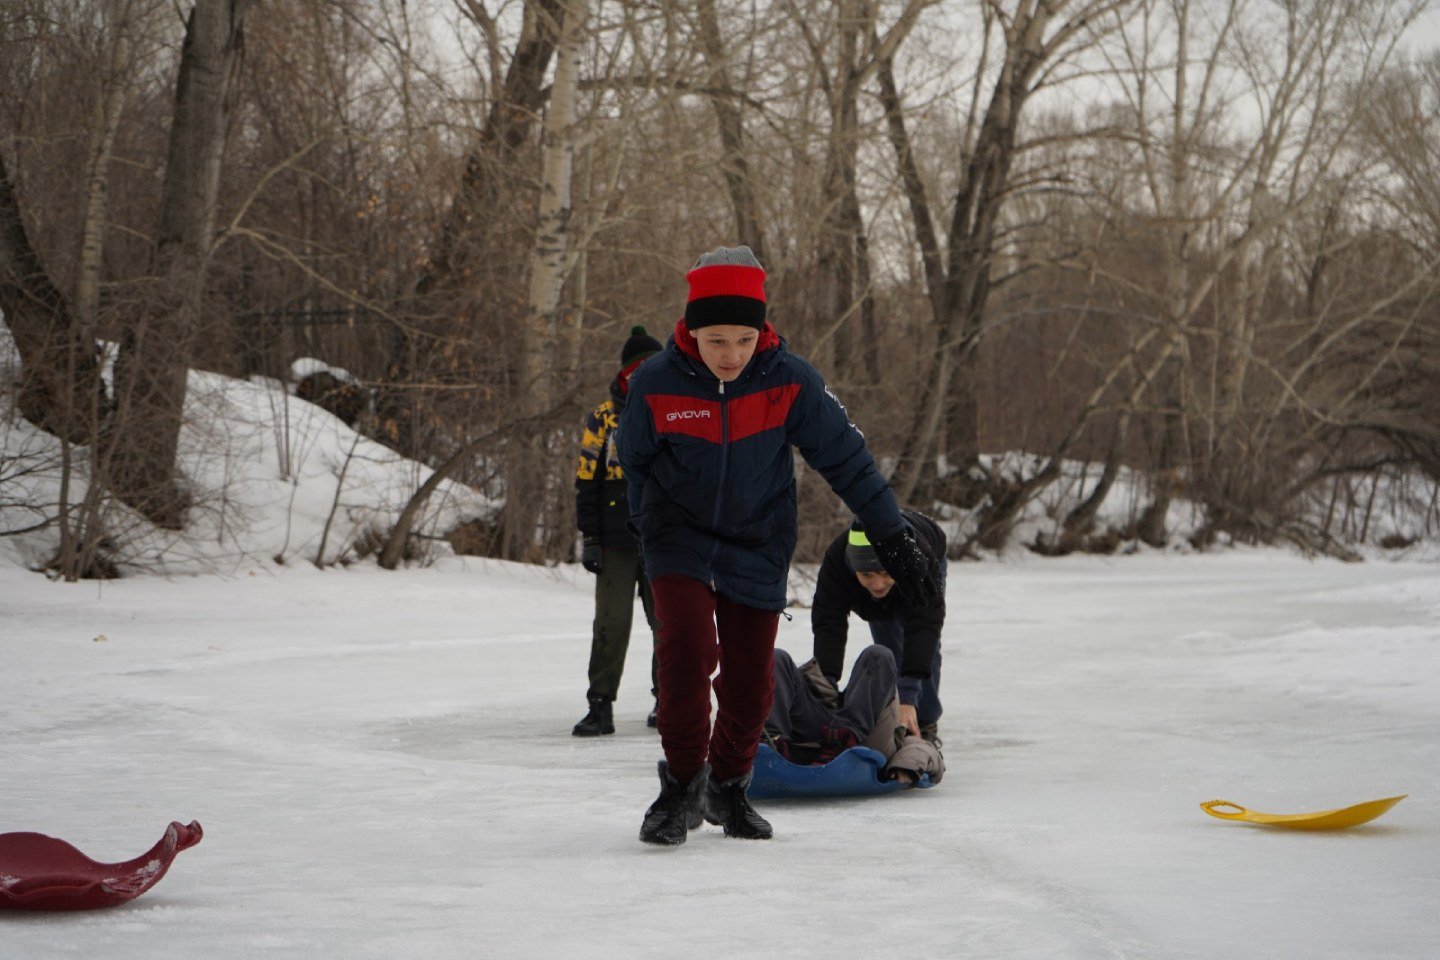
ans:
(621, 575)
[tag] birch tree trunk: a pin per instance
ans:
(516, 106)
(80, 528)
(450, 285)
(104, 124)
(528, 501)
(1178, 228)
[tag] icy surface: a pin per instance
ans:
(383, 767)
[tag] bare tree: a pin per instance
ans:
(1399, 117)
(1223, 205)
(463, 291)
(61, 389)
(151, 370)
(58, 335)
(61, 379)
(845, 291)
(1032, 39)
(727, 103)
(1226, 226)
(529, 456)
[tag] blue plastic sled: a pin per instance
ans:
(854, 773)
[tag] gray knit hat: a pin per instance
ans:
(741, 256)
(727, 285)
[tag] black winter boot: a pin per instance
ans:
(654, 719)
(727, 806)
(600, 719)
(678, 809)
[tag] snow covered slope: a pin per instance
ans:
(266, 470)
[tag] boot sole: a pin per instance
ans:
(662, 842)
(735, 836)
(592, 733)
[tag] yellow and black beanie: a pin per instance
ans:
(860, 553)
(727, 285)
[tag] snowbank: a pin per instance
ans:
(267, 473)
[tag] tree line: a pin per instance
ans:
(1195, 241)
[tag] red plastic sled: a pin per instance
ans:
(42, 873)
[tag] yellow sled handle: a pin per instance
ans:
(1211, 807)
(1337, 819)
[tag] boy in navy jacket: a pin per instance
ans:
(705, 442)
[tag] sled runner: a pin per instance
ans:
(854, 773)
(43, 873)
(1336, 819)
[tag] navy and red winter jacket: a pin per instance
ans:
(710, 471)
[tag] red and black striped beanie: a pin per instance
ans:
(727, 285)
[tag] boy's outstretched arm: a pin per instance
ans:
(821, 430)
(829, 442)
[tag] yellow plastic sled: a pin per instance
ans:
(1337, 819)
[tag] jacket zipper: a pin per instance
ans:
(724, 467)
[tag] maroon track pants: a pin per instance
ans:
(699, 630)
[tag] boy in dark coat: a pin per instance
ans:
(610, 551)
(705, 441)
(852, 579)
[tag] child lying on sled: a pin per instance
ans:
(811, 723)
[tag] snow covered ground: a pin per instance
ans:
(383, 767)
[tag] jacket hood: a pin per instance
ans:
(620, 386)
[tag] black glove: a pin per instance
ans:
(912, 567)
(590, 556)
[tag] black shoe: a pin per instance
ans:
(727, 806)
(678, 809)
(931, 734)
(654, 719)
(600, 719)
